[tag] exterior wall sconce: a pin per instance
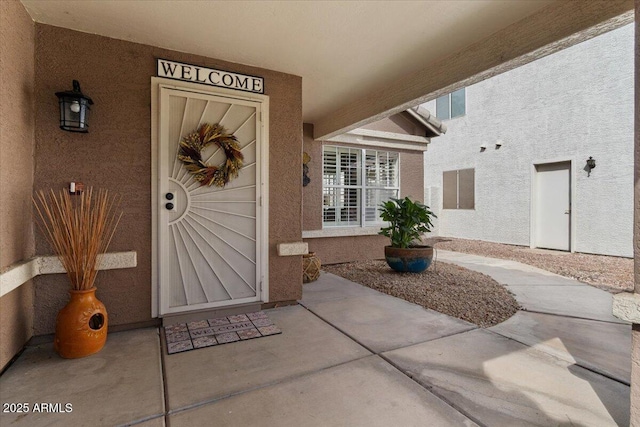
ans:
(483, 147)
(591, 164)
(74, 109)
(499, 143)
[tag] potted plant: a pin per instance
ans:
(79, 229)
(408, 220)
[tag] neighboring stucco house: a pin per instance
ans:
(512, 167)
(351, 174)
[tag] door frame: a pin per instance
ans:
(572, 195)
(262, 244)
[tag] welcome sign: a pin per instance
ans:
(209, 76)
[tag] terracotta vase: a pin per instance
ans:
(81, 326)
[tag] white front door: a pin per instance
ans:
(553, 206)
(210, 240)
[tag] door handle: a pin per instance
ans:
(169, 206)
(567, 212)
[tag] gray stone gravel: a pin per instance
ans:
(475, 297)
(446, 288)
(613, 274)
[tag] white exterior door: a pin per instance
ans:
(210, 240)
(553, 206)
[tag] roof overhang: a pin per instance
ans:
(428, 120)
(359, 61)
(388, 140)
(556, 27)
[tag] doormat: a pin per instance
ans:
(206, 333)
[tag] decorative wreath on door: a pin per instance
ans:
(190, 153)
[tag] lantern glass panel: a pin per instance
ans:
(74, 114)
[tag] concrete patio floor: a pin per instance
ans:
(351, 356)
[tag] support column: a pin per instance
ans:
(635, 353)
(626, 306)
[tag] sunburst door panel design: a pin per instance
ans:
(209, 240)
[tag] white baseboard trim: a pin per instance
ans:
(19, 273)
(626, 306)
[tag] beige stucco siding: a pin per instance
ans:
(635, 334)
(16, 170)
(312, 193)
(397, 123)
(412, 175)
(334, 250)
(116, 154)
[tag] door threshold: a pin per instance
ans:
(539, 250)
(210, 313)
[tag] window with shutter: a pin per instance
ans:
(466, 189)
(450, 190)
(355, 182)
(458, 189)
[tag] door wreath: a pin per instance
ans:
(190, 154)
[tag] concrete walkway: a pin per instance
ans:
(560, 316)
(351, 356)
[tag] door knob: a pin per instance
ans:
(169, 196)
(169, 206)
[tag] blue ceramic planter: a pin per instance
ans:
(415, 259)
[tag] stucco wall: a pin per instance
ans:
(16, 170)
(635, 334)
(312, 193)
(397, 123)
(333, 250)
(570, 105)
(635, 376)
(411, 175)
(116, 154)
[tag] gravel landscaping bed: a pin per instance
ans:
(613, 274)
(473, 296)
(446, 288)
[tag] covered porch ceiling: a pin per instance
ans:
(359, 60)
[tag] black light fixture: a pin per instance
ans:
(591, 164)
(74, 109)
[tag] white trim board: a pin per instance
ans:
(374, 138)
(626, 306)
(17, 274)
(292, 249)
(341, 232)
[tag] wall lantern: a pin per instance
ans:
(74, 109)
(591, 164)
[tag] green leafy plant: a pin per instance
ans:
(408, 220)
